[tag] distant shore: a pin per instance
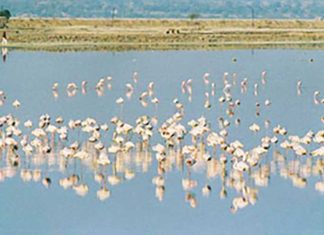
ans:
(52, 34)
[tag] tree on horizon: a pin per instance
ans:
(5, 13)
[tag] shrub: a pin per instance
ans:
(5, 13)
(193, 16)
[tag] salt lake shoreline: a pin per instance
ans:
(54, 34)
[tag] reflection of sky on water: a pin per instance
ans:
(132, 206)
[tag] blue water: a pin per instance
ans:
(29, 208)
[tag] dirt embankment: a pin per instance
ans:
(147, 34)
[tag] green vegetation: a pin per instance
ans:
(4, 17)
(5, 13)
(193, 16)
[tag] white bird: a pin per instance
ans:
(244, 85)
(267, 102)
(16, 104)
(84, 87)
(120, 101)
(28, 124)
(240, 165)
(135, 77)
(150, 89)
(206, 79)
(129, 90)
(206, 190)
(155, 100)
(183, 87)
(256, 90)
(254, 127)
(299, 87)
(103, 194)
(316, 97)
(213, 89)
(263, 77)
(55, 86)
(72, 86)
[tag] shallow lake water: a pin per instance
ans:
(133, 208)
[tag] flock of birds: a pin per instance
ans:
(115, 151)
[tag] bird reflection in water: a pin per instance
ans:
(4, 52)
